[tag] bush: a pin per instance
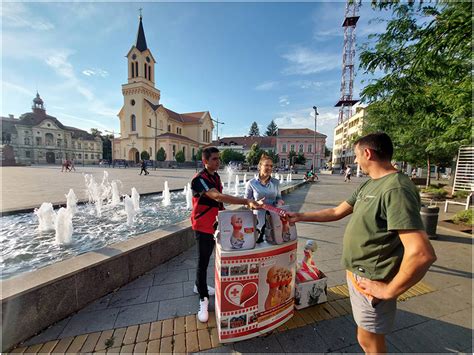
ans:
(145, 155)
(460, 194)
(161, 154)
(180, 158)
(463, 217)
(228, 155)
(436, 192)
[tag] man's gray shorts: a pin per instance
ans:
(375, 316)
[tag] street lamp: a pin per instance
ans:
(217, 125)
(315, 127)
(113, 143)
(156, 135)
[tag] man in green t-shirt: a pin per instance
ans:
(385, 248)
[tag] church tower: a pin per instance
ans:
(140, 87)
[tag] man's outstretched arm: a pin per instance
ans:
(220, 197)
(326, 215)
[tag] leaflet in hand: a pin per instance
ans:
(279, 211)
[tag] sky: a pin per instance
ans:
(241, 61)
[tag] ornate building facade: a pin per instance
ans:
(38, 138)
(145, 124)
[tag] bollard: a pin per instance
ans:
(429, 216)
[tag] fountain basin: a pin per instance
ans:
(35, 300)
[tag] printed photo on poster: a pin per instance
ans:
(239, 321)
(224, 271)
(239, 270)
(253, 268)
(236, 230)
(224, 323)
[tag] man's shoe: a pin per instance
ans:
(203, 314)
(210, 290)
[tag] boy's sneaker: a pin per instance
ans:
(203, 314)
(210, 290)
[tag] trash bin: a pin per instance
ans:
(429, 216)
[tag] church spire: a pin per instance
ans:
(141, 41)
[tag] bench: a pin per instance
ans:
(465, 204)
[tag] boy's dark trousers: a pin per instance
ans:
(205, 247)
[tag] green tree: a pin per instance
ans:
(272, 129)
(198, 155)
(292, 157)
(161, 154)
(327, 152)
(254, 131)
(228, 155)
(300, 159)
(145, 155)
(180, 158)
(96, 133)
(423, 100)
(254, 154)
(273, 155)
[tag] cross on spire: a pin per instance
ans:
(140, 10)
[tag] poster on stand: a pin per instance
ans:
(254, 290)
(237, 230)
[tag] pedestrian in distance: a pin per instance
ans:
(385, 248)
(348, 173)
(143, 165)
(208, 200)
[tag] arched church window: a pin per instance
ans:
(148, 59)
(144, 68)
(136, 68)
(133, 123)
(149, 72)
(132, 102)
(133, 69)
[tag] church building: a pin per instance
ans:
(147, 125)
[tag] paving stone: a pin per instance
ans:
(167, 327)
(449, 336)
(177, 264)
(166, 345)
(413, 340)
(204, 339)
(263, 344)
(113, 351)
(91, 342)
(127, 349)
(143, 281)
(155, 330)
(62, 345)
(76, 344)
(214, 338)
(179, 325)
(130, 335)
(143, 332)
(19, 350)
(105, 336)
(137, 314)
(225, 349)
(188, 288)
(153, 347)
(33, 349)
(179, 343)
(97, 305)
(178, 307)
(170, 277)
(191, 323)
(140, 348)
(301, 340)
(129, 297)
(165, 292)
(119, 334)
(51, 333)
(192, 344)
(89, 322)
(48, 347)
(336, 333)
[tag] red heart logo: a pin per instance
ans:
(249, 290)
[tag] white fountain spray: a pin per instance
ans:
(287, 177)
(236, 185)
(245, 179)
(277, 176)
(71, 202)
(189, 197)
(185, 190)
(291, 177)
(64, 227)
(135, 199)
(282, 178)
(129, 209)
(46, 217)
(166, 195)
(115, 194)
(230, 172)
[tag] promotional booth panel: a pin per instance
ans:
(310, 293)
(254, 289)
(237, 230)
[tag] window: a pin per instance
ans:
(283, 148)
(133, 123)
(169, 128)
(174, 150)
(144, 70)
(193, 153)
(79, 145)
(132, 102)
(49, 138)
(149, 72)
(301, 148)
(310, 148)
(132, 67)
(28, 154)
(86, 156)
(65, 143)
(27, 141)
(58, 142)
(149, 151)
(80, 156)
(38, 141)
(292, 147)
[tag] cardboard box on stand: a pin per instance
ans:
(310, 293)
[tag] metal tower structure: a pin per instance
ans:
(348, 56)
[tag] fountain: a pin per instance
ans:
(282, 179)
(135, 199)
(230, 172)
(129, 209)
(236, 186)
(189, 197)
(166, 195)
(64, 228)
(245, 179)
(46, 216)
(115, 194)
(71, 202)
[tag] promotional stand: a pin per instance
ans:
(254, 289)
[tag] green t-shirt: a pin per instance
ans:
(381, 207)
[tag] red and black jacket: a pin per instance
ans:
(205, 209)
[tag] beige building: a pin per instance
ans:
(38, 138)
(145, 124)
(344, 135)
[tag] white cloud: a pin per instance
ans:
(283, 100)
(17, 15)
(7, 86)
(95, 72)
(268, 85)
(304, 61)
